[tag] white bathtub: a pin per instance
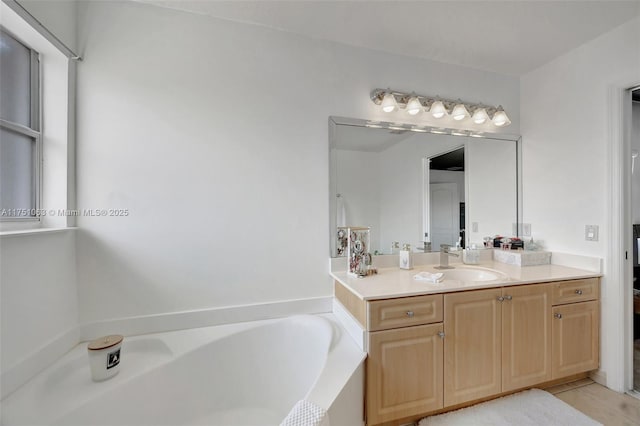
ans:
(239, 374)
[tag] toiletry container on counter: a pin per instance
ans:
(471, 255)
(104, 357)
(406, 262)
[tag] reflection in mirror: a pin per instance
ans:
(445, 220)
(416, 187)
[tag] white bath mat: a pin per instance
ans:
(529, 408)
(306, 413)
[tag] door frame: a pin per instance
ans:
(617, 325)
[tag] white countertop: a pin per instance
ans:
(395, 282)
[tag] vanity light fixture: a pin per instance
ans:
(391, 100)
(500, 118)
(440, 131)
(419, 129)
(374, 124)
(413, 105)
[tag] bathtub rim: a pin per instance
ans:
(342, 360)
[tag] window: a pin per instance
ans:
(20, 137)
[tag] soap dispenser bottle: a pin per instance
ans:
(405, 257)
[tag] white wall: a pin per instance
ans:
(493, 207)
(38, 291)
(214, 135)
(38, 294)
(564, 129)
(357, 182)
(564, 108)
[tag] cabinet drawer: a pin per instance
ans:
(404, 312)
(574, 291)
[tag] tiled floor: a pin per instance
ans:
(601, 404)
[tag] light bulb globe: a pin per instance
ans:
(480, 116)
(414, 106)
(501, 118)
(438, 109)
(389, 103)
(459, 112)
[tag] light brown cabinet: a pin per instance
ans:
(473, 338)
(497, 340)
(430, 352)
(576, 327)
(526, 334)
(404, 372)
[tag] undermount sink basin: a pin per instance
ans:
(473, 274)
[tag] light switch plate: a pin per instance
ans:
(526, 229)
(474, 226)
(591, 232)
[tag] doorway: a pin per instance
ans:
(635, 215)
(446, 198)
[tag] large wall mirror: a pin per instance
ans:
(411, 185)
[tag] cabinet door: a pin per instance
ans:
(404, 372)
(526, 334)
(575, 338)
(472, 345)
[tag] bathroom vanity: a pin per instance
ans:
(434, 347)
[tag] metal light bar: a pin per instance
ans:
(402, 98)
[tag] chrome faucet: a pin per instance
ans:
(444, 257)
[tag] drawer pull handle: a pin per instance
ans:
(500, 299)
(441, 334)
(508, 297)
(410, 314)
(558, 315)
(578, 291)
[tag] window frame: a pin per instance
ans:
(34, 131)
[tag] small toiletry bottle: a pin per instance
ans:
(405, 257)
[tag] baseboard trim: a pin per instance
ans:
(599, 377)
(40, 359)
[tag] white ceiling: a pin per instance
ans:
(509, 37)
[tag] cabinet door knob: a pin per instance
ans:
(508, 297)
(558, 315)
(500, 299)
(441, 334)
(410, 314)
(578, 291)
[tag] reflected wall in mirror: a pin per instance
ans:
(411, 187)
